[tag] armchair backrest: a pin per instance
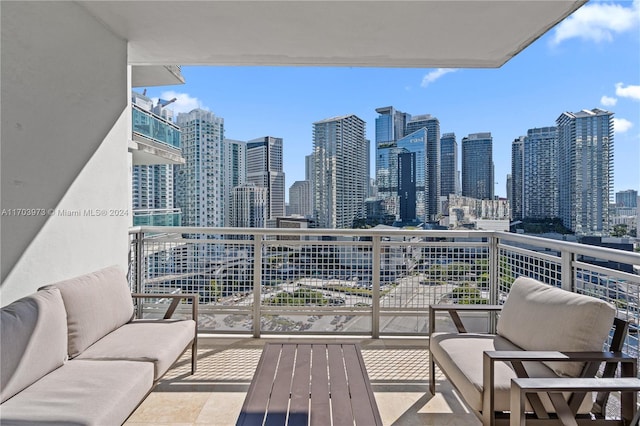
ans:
(538, 316)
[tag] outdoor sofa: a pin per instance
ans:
(73, 354)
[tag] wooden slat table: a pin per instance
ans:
(310, 384)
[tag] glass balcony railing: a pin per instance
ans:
(171, 217)
(364, 282)
(155, 128)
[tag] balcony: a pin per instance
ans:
(372, 286)
(156, 141)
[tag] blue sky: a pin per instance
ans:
(590, 60)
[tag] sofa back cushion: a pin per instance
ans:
(96, 304)
(538, 316)
(33, 340)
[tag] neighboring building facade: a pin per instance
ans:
(627, 198)
(448, 164)
(248, 206)
(152, 184)
(477, 166)
(339, 148)
(540, 183)
(264, 168)
(413, 188)
(516, 194)
(310, 176)
(393, 165)
(199, 189)
(585, 181)
(234, 155)
(431, 161)
(300, 199)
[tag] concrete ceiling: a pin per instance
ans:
(392, 33)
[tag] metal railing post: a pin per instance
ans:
(376, 258)
(494, 262)
(257, 283)
(566, 272)
(139, 256)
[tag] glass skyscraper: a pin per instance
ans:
(391, 127)
(540, 182)
(264, 169)
(341, 175)
(585, 180)
(448, 164)
(516, 195)
(477, 166)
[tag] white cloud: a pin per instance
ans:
(184, 102)
(621, 125)
(598, 22)
(434, 75)
(608, 101)
(630, 91)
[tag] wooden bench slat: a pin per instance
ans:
(364, 405)
(320, 406)
(259, 393)
(340, 398)
(279, 401)
(301, 387)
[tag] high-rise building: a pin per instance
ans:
(390, 124)
(413, 186)
(300, 198)
(431, 161)
(152, 184)
(248, 206)
(627, 198)
(339, 148)
(199, 183)
(310, 176)
(540, 182)
(234, 154)
(264, 168)
(477, 166)
(391, 127)
(585, 181)
(516, 195)
(448, 164)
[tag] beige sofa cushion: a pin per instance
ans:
(33, 340)
(158, 341)
(82, 393)
(96, 304)
(537, 316)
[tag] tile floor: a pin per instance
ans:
(398, 371)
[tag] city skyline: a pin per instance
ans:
(590, 60)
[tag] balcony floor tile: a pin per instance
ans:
(397, 368)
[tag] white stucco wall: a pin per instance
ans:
(63, 146)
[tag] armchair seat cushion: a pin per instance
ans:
(461, 356)
(158, 342)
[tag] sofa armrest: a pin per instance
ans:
(453, 310)
(176, 298)
(592, 360)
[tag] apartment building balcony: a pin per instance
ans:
(154, 140)
(156, 75)
(369, 286)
